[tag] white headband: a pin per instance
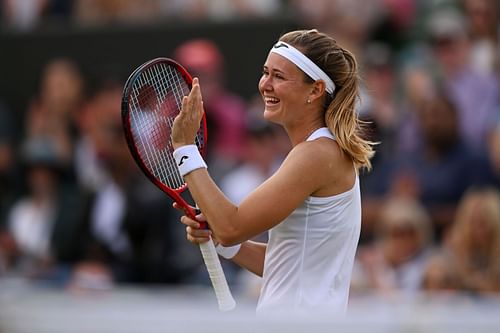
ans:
(304, 63)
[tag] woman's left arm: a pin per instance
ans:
(304, 171)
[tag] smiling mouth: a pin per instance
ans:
(271, 100)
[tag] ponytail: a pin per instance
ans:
(341, 117)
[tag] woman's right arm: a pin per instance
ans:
(250, 256)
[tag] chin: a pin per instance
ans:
(271, 116)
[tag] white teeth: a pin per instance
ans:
(272, 100)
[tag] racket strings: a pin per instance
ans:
(156, 99)
(180, 89)
(149, 134)
(143, 124)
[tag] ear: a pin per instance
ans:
(317, 90)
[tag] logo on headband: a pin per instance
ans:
(278, 45)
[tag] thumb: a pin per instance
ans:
(201, 217)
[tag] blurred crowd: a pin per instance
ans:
(77, 213)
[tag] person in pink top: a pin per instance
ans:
(225, 110)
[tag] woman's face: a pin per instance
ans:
(402, 242)
(284, 90)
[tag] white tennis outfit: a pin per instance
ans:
(310, 255)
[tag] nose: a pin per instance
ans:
(265, 83)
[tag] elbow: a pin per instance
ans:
(227, 231)
(229, 237)
(228, 240)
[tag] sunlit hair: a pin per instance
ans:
(400, 212)
(478, 206)
(340, 115)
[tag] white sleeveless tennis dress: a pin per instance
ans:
(310, 255)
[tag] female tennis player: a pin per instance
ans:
(311, 205)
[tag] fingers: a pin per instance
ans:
(198, 235)
(200, 217)
(195, 87)
(191, 101)
(197, 240)
(191, 107)
(187, 221)
(181, 208)
(187, 123)
(185, 103)
(193, 232)
(194, 101)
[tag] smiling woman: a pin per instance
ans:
(309, 85)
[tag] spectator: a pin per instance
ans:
(43, 222)
(92, 12)
(28, 14)
(475, 94)
(23, 14)
(441, 275)
(395, 261)
(129, 232)
(52, 113)
(482, 18)
(351, 21)
(221, 9)
(474, 240)
(401, 135)
(91, 173)
(419, 86)
(441, 170)
(379, 109)
(379, 103)
(225, 111)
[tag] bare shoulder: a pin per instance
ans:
(324, 161)
(320, 152)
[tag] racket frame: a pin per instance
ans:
(225, 299)
(175, 194)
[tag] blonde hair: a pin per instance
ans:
(485, 201)
(405, 212)
(340, 115)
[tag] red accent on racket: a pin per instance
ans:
(152, 98)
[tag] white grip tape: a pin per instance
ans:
(228, 252)
(188, 158)
(219, 282)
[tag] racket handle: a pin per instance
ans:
(219, 282)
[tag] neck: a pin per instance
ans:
(301, 133)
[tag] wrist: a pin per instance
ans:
(188, 158)
(177, 145)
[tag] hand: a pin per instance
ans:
(195, 234)
(187, 122)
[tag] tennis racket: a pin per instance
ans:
(152, 98)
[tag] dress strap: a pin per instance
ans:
(319, 133)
